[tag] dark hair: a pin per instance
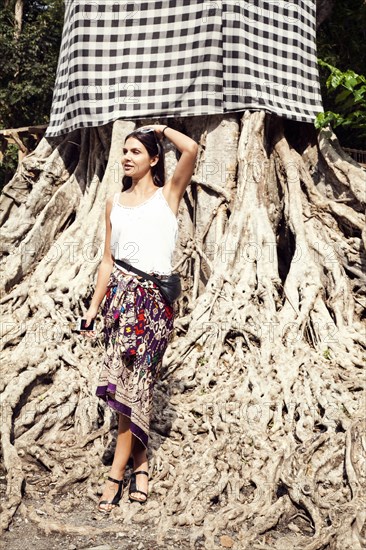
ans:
(154, 148)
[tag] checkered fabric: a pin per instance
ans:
(131, 59)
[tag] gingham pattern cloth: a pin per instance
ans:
(122, 59)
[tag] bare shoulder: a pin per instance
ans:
(110, 199)
(172, 197)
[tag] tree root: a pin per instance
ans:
(257, 428)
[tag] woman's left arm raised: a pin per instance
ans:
(177, 185)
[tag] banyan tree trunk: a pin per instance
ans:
(258, 435)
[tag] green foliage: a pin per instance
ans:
(28, 65)
(9, 164)
(349, 91)
(341, 39)
(28, 62)
(341, 43)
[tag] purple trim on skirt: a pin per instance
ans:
(122, 409)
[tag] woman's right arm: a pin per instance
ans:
(104, 271)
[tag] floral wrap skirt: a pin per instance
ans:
(138, 325)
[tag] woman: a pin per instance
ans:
(141, 229)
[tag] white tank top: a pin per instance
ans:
(145, 235)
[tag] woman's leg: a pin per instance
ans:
(121, 456)
(139, 453)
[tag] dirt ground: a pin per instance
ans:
(37, 530)
(24, 534)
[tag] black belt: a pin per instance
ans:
(130, 267)
(169, 285)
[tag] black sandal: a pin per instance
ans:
(117, 497)
(133, 487)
